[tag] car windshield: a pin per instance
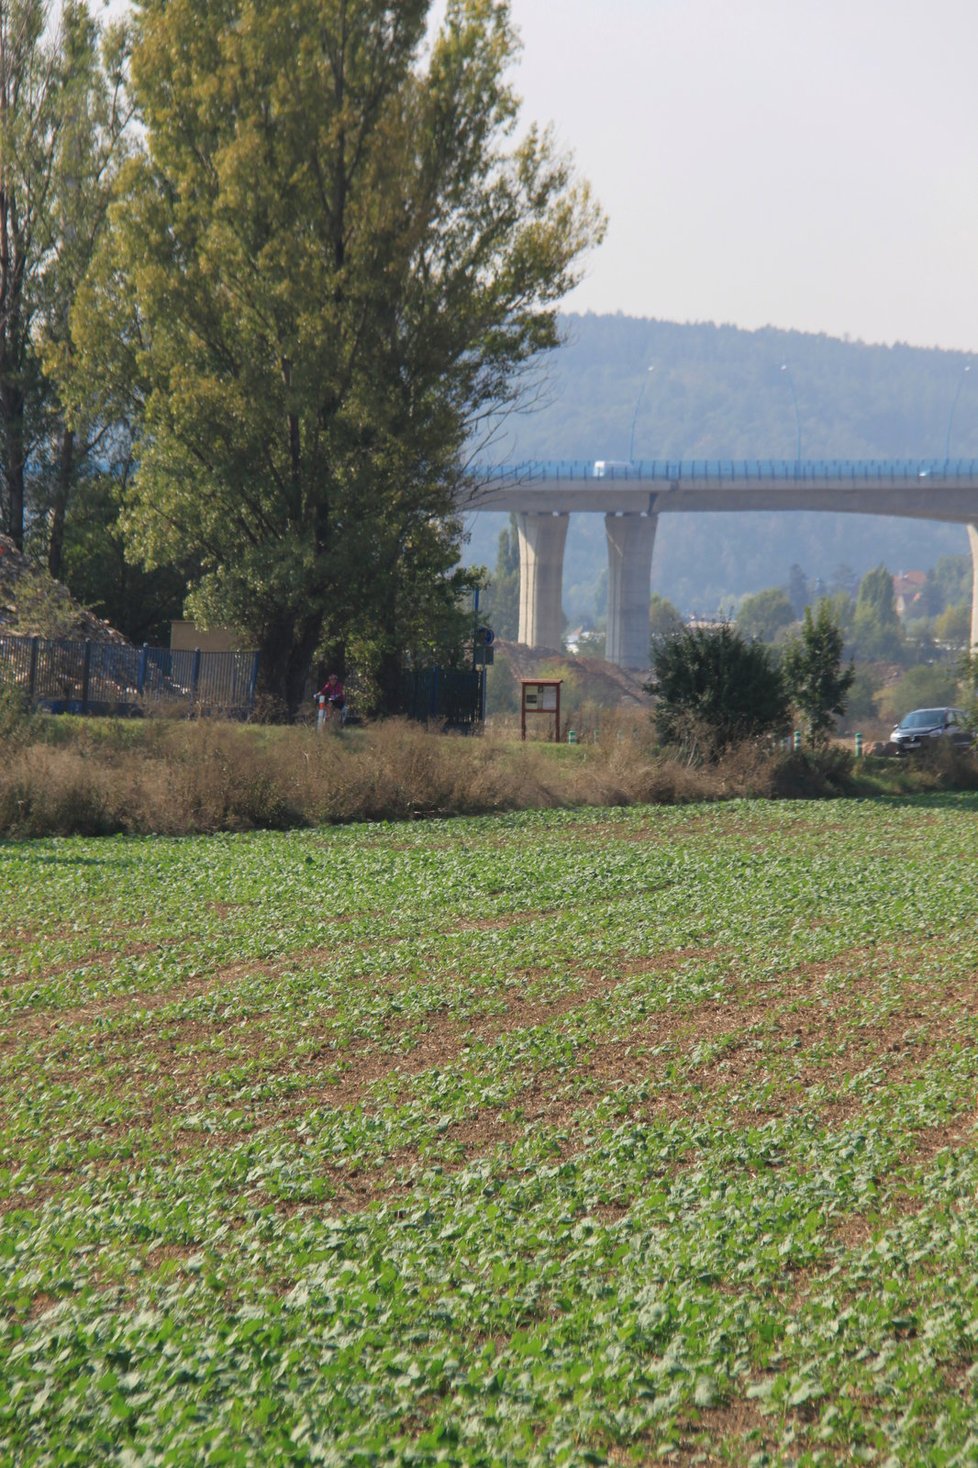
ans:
(923, 719)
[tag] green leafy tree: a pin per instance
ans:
(948, 584)
(798, 589)
(925, 685)
(876, 629)
(841, 609)
(765, 614)
(96, 569)
(715, 689)
(844, 581)
(815, 680)
(93, 141)
(57, 137)
(953, 626)
(664, 619)
(331, 265)
(504, 590)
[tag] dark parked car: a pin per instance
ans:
(916, 730)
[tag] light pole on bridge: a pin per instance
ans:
(638, 404)
(794, 398)
(950, 416)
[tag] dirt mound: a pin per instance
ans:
(33, 604)
(599, 681)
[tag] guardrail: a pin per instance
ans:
(732, 471)
(105, 678)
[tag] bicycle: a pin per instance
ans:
(328, 709)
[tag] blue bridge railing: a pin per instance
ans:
(731, 471)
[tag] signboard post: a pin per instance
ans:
(540, 696)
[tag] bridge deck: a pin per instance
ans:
(922, 489)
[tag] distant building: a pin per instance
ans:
(908, 591)
(188, 637)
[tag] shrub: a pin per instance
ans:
(17, 723)
(715, 690)
(813, 773)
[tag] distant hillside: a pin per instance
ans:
(720, 392)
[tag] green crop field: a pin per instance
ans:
(598, 1137)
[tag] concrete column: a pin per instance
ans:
(630, 542)
(973, 542)
(541, 541)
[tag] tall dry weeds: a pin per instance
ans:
(176, 778)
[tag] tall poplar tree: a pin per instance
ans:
(504, 591)
(93, 115)
(815, 680)
(332, 262)
(876, 628)
(61, 124)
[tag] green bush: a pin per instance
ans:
(715, 690)
(813, 773)
(17, 723)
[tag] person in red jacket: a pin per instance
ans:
(331, 699)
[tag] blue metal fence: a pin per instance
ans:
(106, 678)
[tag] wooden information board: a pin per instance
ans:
(540, 696)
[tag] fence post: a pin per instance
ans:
(86, 673)
(141, 671)
(253, 683)
(32, 676)
(195, 676)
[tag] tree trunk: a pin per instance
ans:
(59, 509)
(286, 651)
(12, 429)
(389, 680)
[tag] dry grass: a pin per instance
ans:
(97, 778)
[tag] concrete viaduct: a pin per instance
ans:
(632, 496)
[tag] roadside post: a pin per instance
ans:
(540, 696)
(482, 657)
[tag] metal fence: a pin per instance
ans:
(105, 678)
(454, 698)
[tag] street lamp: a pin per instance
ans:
(638, 404)
(794, 398)
(950, 416)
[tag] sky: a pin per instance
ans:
(805, 164)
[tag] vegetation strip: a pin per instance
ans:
(626, 1140)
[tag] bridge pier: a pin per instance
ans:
(541, 540)
(543, 495)
(631, 538)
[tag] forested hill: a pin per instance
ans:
(720, 392)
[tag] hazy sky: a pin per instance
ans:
(809, 164)
(797, 163)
